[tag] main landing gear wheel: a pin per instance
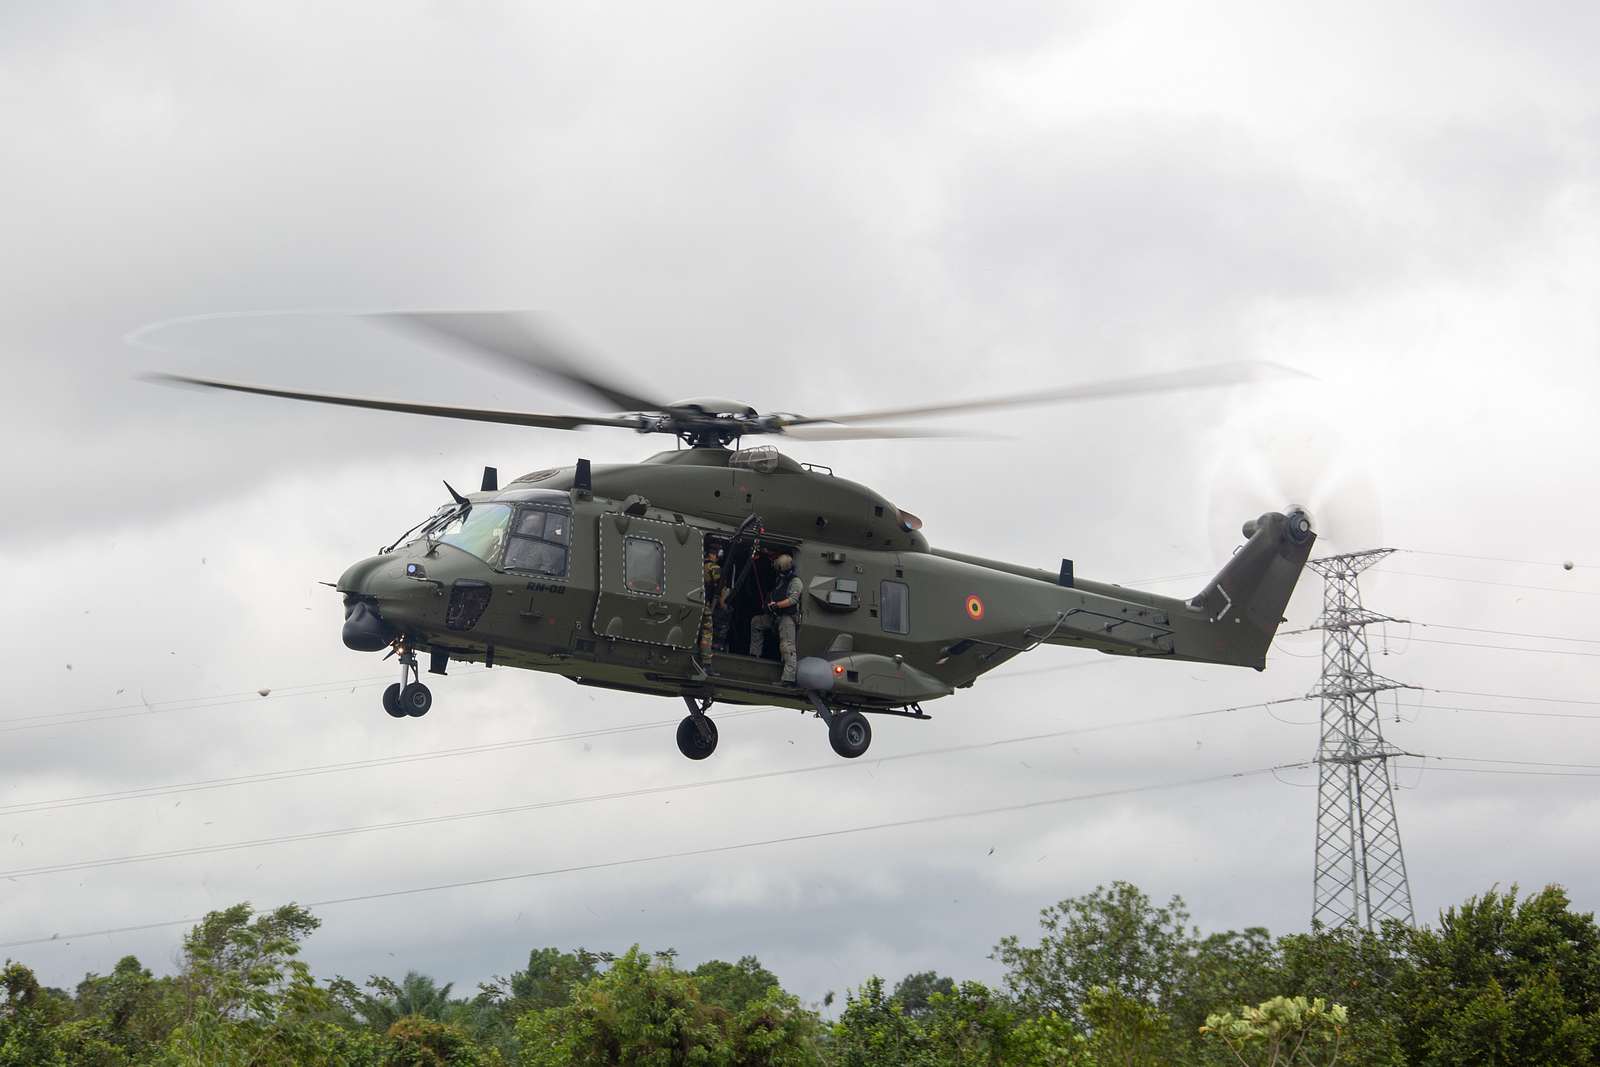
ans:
(391, 701)
(697, 740)
(415, 700)
(850, 734)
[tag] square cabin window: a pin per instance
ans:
(539, 543)
(894, 607)
(644, 566)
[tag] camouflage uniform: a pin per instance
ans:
(786, 621)
(712, 622)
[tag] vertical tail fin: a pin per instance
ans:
(1248, 596)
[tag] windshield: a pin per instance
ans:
(482, 532)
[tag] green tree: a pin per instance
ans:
(774, 1031)
(875, 1029)
(415, 995)
(1357, 968)
(915, 991)
(1125, 1031)
(415, 1041)
(129, 1008)
(734, 986)
(28, 1021)
(549, 978)
(642, 1011)
(1502, 981)
(1231, 967)
(971, 1025)
(1281, 1032)
(247, 1000)
(1114, 938)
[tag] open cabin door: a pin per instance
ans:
(651, 581)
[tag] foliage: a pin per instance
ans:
(734, 986)
(1281, 1032)
(415, 1041)
(1126, 1031)
(647, 1013)
(1114, 939)
(1113, 980)
(246, 999)
(1503, 981)
(968, 1026)
(915, 992)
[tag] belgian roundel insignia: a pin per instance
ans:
(974, 608)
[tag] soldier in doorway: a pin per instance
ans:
(714, 621)
(783, 615)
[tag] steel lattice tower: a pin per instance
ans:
(1360, 867)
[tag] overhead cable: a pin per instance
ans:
(1483, 581)
(196, 850)
(817, 835)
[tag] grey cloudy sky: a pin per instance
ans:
(812, 209)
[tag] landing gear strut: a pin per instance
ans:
(408, 696)
(697, 734)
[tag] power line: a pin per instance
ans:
(1508, 633)
(1494, 559)
(1482, 581)
(898, 824)
(234, 846)
(1506, 648)
(1518, 762)
(1466, 629)
(31, 807)
(1507, 770)
(1502, 711)
(50, 720)
(1515, 696)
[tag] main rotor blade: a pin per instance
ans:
(824, 432)
(510, 418)
(1217, 374)
(510, 341)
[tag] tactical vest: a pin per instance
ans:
(785, 580)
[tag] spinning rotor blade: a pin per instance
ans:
(1273, 459)
(1217, 374)
(510, 341)
(825, 432)
(510, 418)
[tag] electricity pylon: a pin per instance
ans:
(1360, 866)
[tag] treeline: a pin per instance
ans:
(1110, 979)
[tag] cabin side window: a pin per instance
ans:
(894, 607)
(644, 566)
(539, 542)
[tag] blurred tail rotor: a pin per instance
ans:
(1275, 460)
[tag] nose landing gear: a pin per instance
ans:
(408, 697)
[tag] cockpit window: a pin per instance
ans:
(482, 532)
(539, 542)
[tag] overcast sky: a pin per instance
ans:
(812, 209)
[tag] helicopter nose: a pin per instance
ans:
(364, 628)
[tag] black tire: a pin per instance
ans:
(391, 701)
(415, 700)
(691, 743)
(850, 734)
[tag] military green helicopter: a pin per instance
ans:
(600, 573)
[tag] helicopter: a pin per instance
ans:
(603, 573)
